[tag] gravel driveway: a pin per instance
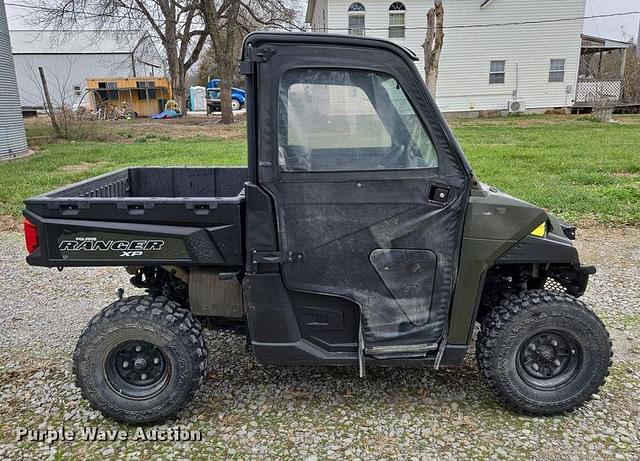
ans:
(246, 411)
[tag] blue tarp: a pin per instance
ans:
(165, 114)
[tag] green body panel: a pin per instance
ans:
(494, 222)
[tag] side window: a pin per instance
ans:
(496, 71)
(356, 19)
(340, 120)
(396, 20)
(556, 70)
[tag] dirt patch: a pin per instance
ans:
(626, 174)
(626, 345)
(610, 246)
(142, 129)
(9, 223)
(82, 166)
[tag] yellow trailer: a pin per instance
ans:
(143, 95)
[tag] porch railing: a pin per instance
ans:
(590, 91)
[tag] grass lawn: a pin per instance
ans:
(579, 169)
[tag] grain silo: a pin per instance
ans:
(13, 140)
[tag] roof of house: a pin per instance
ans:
(591, 41)
(75, 42)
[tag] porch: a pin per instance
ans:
(601, 72)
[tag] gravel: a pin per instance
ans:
(247, 411)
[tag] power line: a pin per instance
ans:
(515, 23)
(88, 14)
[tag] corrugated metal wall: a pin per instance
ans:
(13, 140)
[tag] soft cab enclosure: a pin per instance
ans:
(142, 215)
(369, 190)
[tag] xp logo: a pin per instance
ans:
(126, 248)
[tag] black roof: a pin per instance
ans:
(315, 38)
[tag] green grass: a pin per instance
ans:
(63, 163)
(577, 168)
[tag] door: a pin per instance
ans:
(368, 191)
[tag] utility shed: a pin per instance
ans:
(143, 95)
(13, 140)
(70, 57)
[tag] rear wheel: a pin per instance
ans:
(140, 359)
(235, 104)
(543, 352)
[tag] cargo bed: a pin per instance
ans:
(190, 216)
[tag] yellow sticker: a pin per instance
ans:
(540, 231)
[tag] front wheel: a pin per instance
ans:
(141, 359)
(543, 352)
(235, 104)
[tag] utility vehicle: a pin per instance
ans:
(357, 235)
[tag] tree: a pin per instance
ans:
(632, 75)
(208, 68)
(433, 45)
(227, 21)
(178, 26)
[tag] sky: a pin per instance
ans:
(617, 27)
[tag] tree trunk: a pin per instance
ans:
(49, 105)
(176, 77)
(181, 90)
(226, 79)
(434, 40)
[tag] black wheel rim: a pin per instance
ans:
(549, 360)
(137, 369)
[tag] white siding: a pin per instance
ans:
(463, 83)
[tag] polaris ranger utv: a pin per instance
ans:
(357, 235)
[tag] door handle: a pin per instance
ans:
(439, 193)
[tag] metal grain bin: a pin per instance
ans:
(13, 140)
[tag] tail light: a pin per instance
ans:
(30, 235)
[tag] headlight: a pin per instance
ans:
(540, 231)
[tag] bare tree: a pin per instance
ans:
(227, 21)
(207, 69)
(433, 45)
(177, 24)
(58, 98)
(632, 75)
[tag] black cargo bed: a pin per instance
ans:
(196, 212)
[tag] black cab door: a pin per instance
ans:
(369, 187)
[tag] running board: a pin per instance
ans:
(401, 351)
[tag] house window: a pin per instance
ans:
(396, 20)
(149, 92)
(356, 19)
(77, 90)
(109, 91)
(556, 70)
(496, 72)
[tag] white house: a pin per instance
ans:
(495, 51)
(70, 57)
